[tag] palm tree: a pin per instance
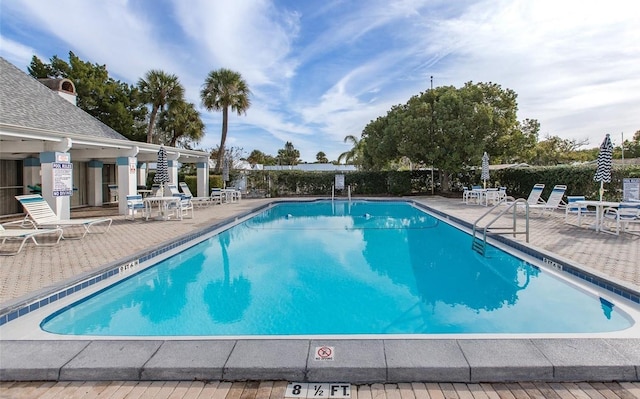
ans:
(353, 154)
(158, 88)
(181, 121)
(224, 89)
(321, 157)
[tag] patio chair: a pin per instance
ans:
(502, 194)
(40, 215)
(474, 195)
(553, 202)
(490, 196)
(183, 207)
(113, 193)
(626, 213)
(216, 195)
(235, 193)
(465, 194)
(534, 195)
(26, 234)
(135, 204)
(197, 201)
(532, 199)
(173, 189)
(573, 208)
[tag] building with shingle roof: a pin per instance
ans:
(28, 103)
(39, 119)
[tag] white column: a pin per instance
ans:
(94, 183)
(59, 204)
(142, 173)
(127, 179)
(172, 161)
(202, 178)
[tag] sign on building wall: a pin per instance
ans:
(62, 179)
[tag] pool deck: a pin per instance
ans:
(37, 270)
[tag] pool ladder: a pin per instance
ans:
(479, 237)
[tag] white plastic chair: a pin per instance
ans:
(626, 213)
(579, 210)
(216, 195)
(183, 207)
(198, 201)
(135, 204)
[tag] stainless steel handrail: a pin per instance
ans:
(513, 229)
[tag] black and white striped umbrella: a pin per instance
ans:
(603, 171)
(225, 169)
(485, 169)
(162, 168)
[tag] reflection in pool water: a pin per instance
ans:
(339, 268)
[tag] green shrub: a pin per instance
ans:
(579, 181)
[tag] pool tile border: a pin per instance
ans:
(25, 306)
(601, 281)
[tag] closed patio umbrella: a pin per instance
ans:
(603, 171)
(225, 171)
(485, 169)
(162, 169)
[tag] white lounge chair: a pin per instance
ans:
(197, 201)
(24, 235)
(553, 202)
(533, 199)
(534, 195)
(174, 189)
(40, 215)
(626, 213)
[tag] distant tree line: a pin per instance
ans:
(446, 127)
(154, 110)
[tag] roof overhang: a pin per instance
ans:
(19, 142)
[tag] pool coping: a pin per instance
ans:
(354, 360)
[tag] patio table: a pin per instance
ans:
(163, 204)
(599, 205)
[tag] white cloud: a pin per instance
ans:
(251, 36)
(319, 72)
(569, 61)
(16, 53)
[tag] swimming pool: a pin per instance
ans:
(337, 267)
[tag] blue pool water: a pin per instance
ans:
(338, 268)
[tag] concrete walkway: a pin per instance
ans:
(277, 389)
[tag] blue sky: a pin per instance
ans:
(321, 70)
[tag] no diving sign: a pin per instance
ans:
(324, 353)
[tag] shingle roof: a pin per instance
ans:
(28, 103)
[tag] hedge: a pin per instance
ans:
(518, 181)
